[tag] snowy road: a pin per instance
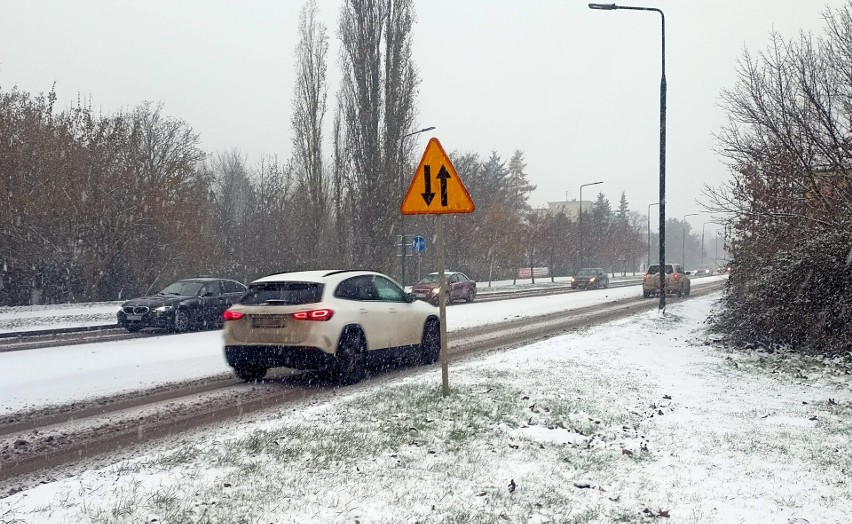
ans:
(49, 376)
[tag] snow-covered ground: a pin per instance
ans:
(632, 421)
(35, 378)
(54, 316)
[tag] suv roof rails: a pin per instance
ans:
(338, 271)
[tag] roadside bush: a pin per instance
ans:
(798, 294)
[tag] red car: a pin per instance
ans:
(460, 287)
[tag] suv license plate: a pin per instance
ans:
(134, 317)
(269, 321)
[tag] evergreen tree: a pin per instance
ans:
(518, 185)
(599, 243)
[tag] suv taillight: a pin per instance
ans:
(675, 276)
(231, 315)
(645, 278)
(314, 314)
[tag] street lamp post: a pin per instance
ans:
(716, 258)
(662, 199)
(581, 219)
(683, 244)
(649, 233)
(702, 238)
(402, 196)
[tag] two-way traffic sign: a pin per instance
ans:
(436, 172)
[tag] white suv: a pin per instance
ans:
(332, 320)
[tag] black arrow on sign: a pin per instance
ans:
(443, 175)
(428, 195)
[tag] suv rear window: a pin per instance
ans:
(283, 293)
(654, 269)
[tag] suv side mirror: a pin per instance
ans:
(409, 297)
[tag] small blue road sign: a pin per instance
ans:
(419, 244)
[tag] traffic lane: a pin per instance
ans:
(464, 315)
(59, 375)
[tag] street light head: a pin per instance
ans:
(603, 7)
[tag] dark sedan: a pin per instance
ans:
(459, 287)
(590, 278)
(195, 303)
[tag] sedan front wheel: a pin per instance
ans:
(181, 321)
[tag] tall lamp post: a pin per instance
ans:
(649, 233)
(702, 238)
(683, 244)
(662, 199)
(581, 219)
(402, 196)
(717, 248)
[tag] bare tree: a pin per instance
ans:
(378, 94)
(341, 195)
(309, 105)
(232, 205)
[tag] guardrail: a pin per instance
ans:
(56, 331)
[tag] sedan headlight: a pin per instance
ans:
(591, 280)
(163, 309)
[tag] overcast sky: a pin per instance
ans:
(577, 90)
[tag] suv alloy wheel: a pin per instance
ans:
(430, 345)
(351, 356)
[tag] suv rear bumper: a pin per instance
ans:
(296, 357)
(654, 290)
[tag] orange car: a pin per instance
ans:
(677, 281)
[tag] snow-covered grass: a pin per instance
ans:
(632, 421)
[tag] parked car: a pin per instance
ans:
(182, 306)
(677, 281)
(460, 287)
(328, 320)
(590, 278)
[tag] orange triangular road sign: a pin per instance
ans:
(436, 188)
